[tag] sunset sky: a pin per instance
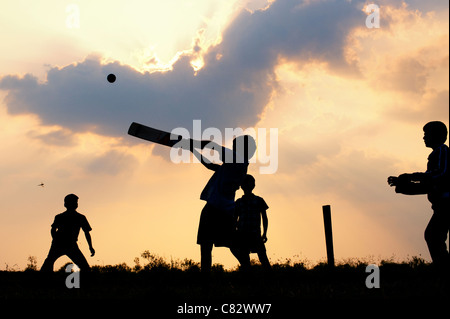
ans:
(349, 104)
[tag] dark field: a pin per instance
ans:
(288, 286)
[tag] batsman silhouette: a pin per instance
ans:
(216, 226)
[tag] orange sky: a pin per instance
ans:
(349, 108)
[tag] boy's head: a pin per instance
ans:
(71, 201)
(248, 184)
(245, 145)
(435, 133)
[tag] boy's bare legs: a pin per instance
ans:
(75, 254)
(262, 255)
(206, 257)
(205, 265)
(436, 237)
(54, 253)
(242, 256)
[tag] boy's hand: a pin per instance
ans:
(401, 179)
(392, 180)
(92, 251)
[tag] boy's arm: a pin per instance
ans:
(208, 165)
(265, 222)
(89, 241)
(430, 175)
(226, 154)
(53, 232)
(420, 183)
(236, 214)
(407, 185)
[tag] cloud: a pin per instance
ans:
(432, 106)
(354, 176)
(406, 75)
(293, 30)
(297, 156)
(231, 90)
(431, 5)
(111, 163)
(57, 138)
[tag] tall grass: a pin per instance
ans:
(149, 261)
(153, 277)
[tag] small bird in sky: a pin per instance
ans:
(41, 184)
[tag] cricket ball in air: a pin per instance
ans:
(111, 78)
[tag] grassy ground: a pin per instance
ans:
(183, 282)
(178, 289)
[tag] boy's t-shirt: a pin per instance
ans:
(248, 210)
(222, 186)
(68, 226)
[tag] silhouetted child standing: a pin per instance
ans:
(216, 224)
(435, 182)
(249, 211)
(65, 230)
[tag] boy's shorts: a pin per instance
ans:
(249, 242)
(215, 227)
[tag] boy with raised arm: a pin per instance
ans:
(216, 219)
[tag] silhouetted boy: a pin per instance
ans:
(434, 182)
(216, 220)
(65, 230)
(249, 211)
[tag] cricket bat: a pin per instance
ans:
(168, 139)
(154, 135)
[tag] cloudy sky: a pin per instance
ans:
(348, 102)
